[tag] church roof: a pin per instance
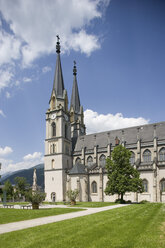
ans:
(78, 169)
(129, 135)
(58, 85)
(75, 99)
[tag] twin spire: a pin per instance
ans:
(58, 84)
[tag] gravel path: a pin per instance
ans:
(15, 226)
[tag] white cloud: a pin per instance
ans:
(99, 122)
(5, 151)
(35, 26)
(46, 69)
(1, 113)
(35, 155)
(28, 161)
(5, 78)
(9, 47)
(26, 79)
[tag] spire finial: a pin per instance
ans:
(58, 44)
(74, 68)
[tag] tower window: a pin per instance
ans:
(53, 129)
(53, 164)
(66, 131)
(94, 187)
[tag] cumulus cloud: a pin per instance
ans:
(28, 161)
(26, 79)
(33, 156)
(5, 78)
(46, 69)
(5, 151)
(1, 113)
(9, 48)
(96, 122)
(35, 25)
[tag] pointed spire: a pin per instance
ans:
(58, 85)
(75, 100)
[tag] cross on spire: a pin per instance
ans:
(74, 68)
(58, 44)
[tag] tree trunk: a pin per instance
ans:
(122, 197)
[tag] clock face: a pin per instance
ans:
(66, 117)
(53, 116)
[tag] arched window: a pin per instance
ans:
(53, 164)
(145, 185)
(162, 154)
(89, 160)
(102, 160)
(162, 185)
(66, 131)
(53, 196)
(53, 148)
(132, 158)
(53, 129)
(78, 160)
(147, 156)
(94, 187)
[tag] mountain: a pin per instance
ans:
(28, 174)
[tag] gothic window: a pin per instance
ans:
(66, 150)
(145, 185)
(78, 160)
(66, 131)
(162, 185)
(147, 156)
(53, 196)
(89, 160)
(102, 160)
(132, 158)
(94, 187)
(162, 154)
(53, 164)
(53, 148)
(53, 129)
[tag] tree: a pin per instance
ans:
(21, 185)
(9, 189)
(122, 176)
(72, 195)
(35, 197)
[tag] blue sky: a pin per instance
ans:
(119, 47)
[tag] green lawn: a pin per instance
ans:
(86, 204)
(12, 215)
(134, 226)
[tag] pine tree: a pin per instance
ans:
(122, 176)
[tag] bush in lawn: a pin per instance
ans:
(72, 195)
(35, 198)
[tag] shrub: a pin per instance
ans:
(72, 195)
(35, 197)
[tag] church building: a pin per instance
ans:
(74, 160)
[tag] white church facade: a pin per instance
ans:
(74, 160)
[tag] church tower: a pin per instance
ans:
(76, 111)
(58, 137)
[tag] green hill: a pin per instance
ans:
(28, 174)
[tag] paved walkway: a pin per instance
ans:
(15, 226)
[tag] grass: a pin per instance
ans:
(85, 204)
(13, 215)
(134, 226)
(15, 203)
